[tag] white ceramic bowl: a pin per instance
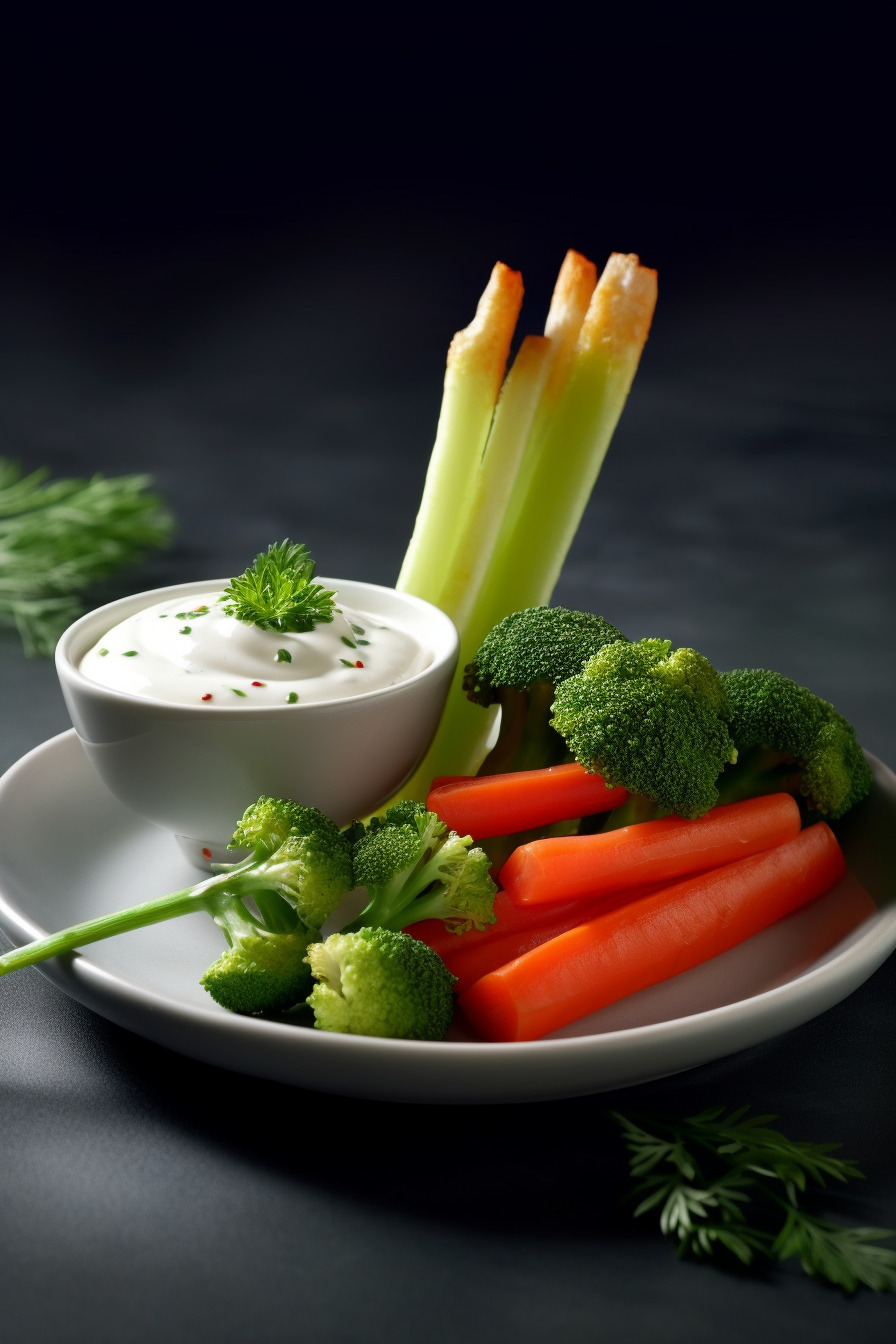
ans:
(193, 770)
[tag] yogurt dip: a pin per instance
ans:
(189, 651)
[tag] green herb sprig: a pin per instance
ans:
(731, 1184)
(58, 537)
(276, 592)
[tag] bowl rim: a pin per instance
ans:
(443, 639)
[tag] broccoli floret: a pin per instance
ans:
(517, 666)
(293, 886)
(265, 824)
(378, 982)
(264, 969)
(789, 739)
(651, 719)
(414, 867)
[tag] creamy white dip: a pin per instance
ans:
(187, 651)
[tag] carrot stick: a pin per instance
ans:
(503, 804)
(561, 868)
(473, 958)
(510, 919)
(650, 940)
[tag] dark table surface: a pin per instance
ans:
(285, 381)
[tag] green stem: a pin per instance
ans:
(107, 926)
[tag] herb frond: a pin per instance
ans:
(724, 1182)
(58, 537)
(276, 592)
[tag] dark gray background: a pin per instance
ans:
(234, 254)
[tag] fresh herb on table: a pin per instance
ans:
(729, 1185)
(58, 537)
(276, 592)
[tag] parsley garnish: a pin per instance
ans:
(707, 1174)
(276, 591)
(58, 537)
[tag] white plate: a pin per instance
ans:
(69, 851)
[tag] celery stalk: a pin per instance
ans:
(493, 482)
(596, 337)
(477, 359)
(543, 515)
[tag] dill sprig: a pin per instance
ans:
(276, 591)
(731, 1184)
(58, 537)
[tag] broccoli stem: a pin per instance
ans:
(104, 926)
(757, 771)
(526, 740)
(203, 896)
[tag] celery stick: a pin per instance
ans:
(542, 519)
(591, 366)
(493, 482)
(575, 284)
(477, 358)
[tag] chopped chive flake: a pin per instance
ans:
(130, 653)
(349, 643)
(236, 692)
(292, 698)
(365, 642)
(345, 662)
(358, 629)
(102, 652)
(184, 630)
(283, 656)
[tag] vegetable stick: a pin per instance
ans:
(575, 284)
(495, 805)
(561, 868)
(510, 920)
(562, 464)
(491, 484)
(477, 359)
(650, 940)
(475, 957)
(578, 409)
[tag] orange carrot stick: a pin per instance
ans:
(488, 805)
(509, 919)
(650, 940)
(561, 868)
(474, 957)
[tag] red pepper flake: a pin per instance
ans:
(258, 683)
(206, 853)
(207, 696)
(359, 663)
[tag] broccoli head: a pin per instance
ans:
(517, 666)
(379, 982)
(298, 852)
(651, 719)
(788, 738)
(414, 867)
(267, 822)
(264, 968)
